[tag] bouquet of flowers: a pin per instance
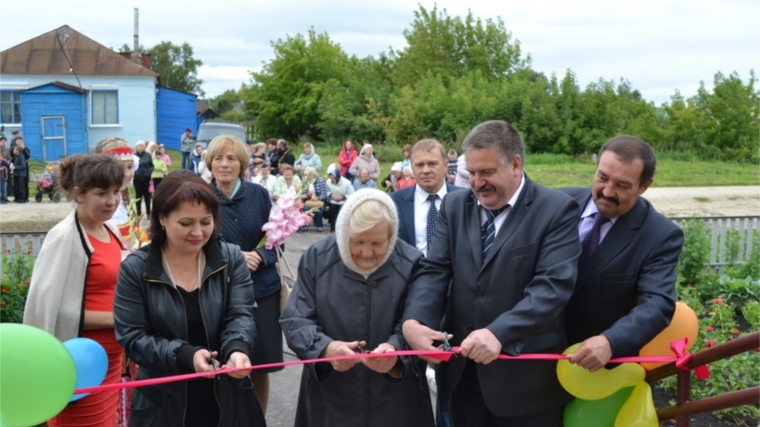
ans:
(285, 218)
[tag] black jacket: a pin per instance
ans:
(150, 324)
(145, 165)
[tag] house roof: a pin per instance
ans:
(58, 51)
(62, 85)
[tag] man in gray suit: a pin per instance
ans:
(510, 250)
(625, 292)
(416, 219)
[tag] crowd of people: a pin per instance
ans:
(501, 265)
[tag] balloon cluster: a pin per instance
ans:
(620, 397)
(38, 373)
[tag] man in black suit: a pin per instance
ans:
(510, 250)
(416, 220)
(625, 292)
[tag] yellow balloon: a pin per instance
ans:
(639, 410)
(597, 385)
(683, 324)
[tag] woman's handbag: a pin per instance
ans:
(287, 277)
(314, 204)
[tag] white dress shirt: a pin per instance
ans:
(421, 208)
(499, 220)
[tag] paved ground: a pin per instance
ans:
(284, 384)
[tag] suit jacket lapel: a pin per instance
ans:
(407, 215)
(616, 241)
(514, 217)
(472, 222)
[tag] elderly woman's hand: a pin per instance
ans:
(342, 348)
(238, 360)
(383, 364)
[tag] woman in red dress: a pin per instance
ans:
(72, 288)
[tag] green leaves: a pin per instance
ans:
(176, 66)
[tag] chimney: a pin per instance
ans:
(136, 56)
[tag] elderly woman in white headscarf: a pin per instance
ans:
(366, 160)
(349, 298)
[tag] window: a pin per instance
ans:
(10, 104)
(105, 107)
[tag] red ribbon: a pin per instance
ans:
(683, 359)
(679, 348)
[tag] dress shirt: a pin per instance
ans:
(502, 217)
(421, 207)
(586, 223)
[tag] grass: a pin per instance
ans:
(557, 170)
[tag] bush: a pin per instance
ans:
(17, 272)
(695, 253)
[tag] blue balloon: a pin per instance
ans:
(91, 362)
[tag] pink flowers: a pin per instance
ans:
(285, 218)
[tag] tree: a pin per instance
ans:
(284, 96)
(452, 47)
(176, 66)
(223, 102)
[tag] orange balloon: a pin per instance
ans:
(683, 324)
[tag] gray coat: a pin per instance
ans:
(332, 302)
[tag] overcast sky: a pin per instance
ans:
(660, 46)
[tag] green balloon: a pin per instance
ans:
(37, 375)
(3, 421)
(596, 413)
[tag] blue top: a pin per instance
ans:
(242, 218)
(358, 185)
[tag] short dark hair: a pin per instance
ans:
(628, 148)
(88, 171)
(177, 187)
(499, 134)
(3, 138)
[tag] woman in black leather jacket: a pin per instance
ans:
(184, 304)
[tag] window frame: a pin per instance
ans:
(104, 106)
(15, 100)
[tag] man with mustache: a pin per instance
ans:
(510, 250)
(625, 292)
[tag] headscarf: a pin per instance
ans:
(342, 227)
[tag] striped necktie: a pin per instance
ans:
(488, 230)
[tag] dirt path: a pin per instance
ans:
(671, 201)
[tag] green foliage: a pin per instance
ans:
(451, 47)
(176, 66)
(284, 96)
(724, 318)
(695, 253)
(223, 103)
(457, 72)
(17, 272)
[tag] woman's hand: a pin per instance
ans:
(342, 348)
(383, 364)
(202, 362)
(252, 260)
(238, 360)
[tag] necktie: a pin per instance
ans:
(488, 230)
(591, 242)
(432, 216)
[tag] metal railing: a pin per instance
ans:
(684, 405)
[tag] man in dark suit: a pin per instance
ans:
(625, 292)
(510, 250)
(429, 165)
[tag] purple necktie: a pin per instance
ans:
(591, 242)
